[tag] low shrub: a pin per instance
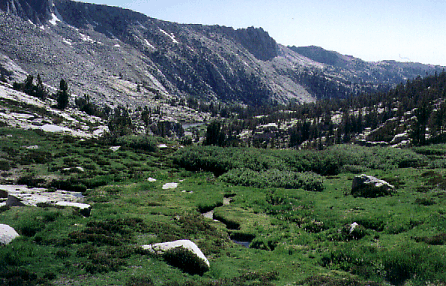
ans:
(138, 142)
(30, 228)
(332, 281)
(274, 178)
(439, 239)
(140, 281)
(186, 260)
(5, 165)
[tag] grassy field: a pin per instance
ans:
(298, 233)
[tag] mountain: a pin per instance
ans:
(118, 56)
(387, 73)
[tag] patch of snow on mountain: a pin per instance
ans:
(149, 44)
(53, 21)
(171, 36)
(86, 38)
(68, 42)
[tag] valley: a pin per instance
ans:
(136, 151)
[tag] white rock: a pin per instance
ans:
(162, 146)
(115, 148)
(84, 209)
(151, 179)
(161, 247)
(168, 186)
(7, 234)
(33, 147)
(353, 226)
(369, 186)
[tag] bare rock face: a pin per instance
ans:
(7, 234)
(371, 187)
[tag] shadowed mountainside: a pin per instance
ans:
(120, 56)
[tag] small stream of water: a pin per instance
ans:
(210, 215)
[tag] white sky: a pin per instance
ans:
(368, 29)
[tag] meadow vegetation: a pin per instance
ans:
(293, 207)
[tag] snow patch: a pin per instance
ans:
(68, 42)
(171, 36)
(149, 44)
(117, 46)
(53, 21)
(86, 38)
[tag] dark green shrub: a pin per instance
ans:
(62, 253)
(439, 239)
(31, 180)
(30, 228)
(331, 281)
(186, 260)
(274, 178)
(138, 142)
(425, 201)
(140, 281)
(5, 165)
(71, 184)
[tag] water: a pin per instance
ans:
(242, 243)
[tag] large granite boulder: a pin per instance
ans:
(371, 187)
(163, 248)
(7, 234)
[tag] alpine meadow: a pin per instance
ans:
(140, 152)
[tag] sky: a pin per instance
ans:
(373, 30)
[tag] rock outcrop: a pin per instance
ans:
(7, 234)
(18, 195)
(371, 187)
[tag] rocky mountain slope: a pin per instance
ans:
(118, 56)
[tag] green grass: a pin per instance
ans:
(298, 237)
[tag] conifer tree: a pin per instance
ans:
(62, 95)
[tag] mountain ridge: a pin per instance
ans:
(124, 57)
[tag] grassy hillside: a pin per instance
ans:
(298, 235)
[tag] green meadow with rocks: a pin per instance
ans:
(260, 217)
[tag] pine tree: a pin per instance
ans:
(62, 95)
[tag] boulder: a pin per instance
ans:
(371, 187)
(7, 234)
(168, 186)
(84, 209)
(160, 248)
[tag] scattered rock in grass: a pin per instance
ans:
(115, 148)
(162, 146)
(7, 234)
(168, 186)
(160, 248)
(371, 187)
(151, 179)
(352, 227)
(33, 147)
(84, 209)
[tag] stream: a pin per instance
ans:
(210, 215)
